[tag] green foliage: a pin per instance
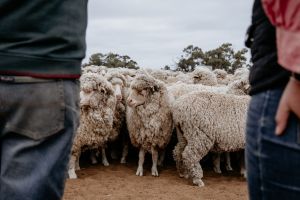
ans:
(223, 57)
(112, 60)
(166, 67)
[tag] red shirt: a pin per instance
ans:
(285, 15)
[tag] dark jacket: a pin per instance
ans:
(265, 73)
(42, 38)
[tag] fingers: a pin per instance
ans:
(282, 116)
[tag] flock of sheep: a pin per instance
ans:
(143, 108)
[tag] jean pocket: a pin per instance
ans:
(38, 110)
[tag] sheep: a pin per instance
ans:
(204, 76)
(101, 70)
(180, 89)
(239, 87)
(161, 75)
(207, 122)
(240, 73)
(119, 84)
(221, 76)
(97, 105)
(149, 119)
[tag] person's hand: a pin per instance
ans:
(289, 102)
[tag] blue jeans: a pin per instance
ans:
(272, 162)
(37, 126)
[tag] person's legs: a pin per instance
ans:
(38, 126)
(273, 162)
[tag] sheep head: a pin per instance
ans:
(204, 76)
(141, 89)
(94, 90)
(118, 82)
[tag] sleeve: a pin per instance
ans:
(285, 15)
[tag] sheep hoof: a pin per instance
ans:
(72, 174)
(123, 161)
(105, 163)
(198, 182)
(217, 170)
(139, 171)
(154, 172)
(229, 168)
(94, 162)
(114, 155)
(244, 173)
(160, 164)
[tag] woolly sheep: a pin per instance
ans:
(149, 119)
(240, 73)
(239, 87)
(204, 76)
(119, 84)
(180, 89)
(101, 70)
(97, 104)
(207, 122)
(221, 76)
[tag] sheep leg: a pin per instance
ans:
(104, 158)
(71, 171)
(113, 154)
(177, 153)
(161, 158)
(124, 153)
(139, 171)
(216, 162)
(243, 171)
(228, 162)
(193, 153)
(77, 166)
(93, 157)
(154, 153)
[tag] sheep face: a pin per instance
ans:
(197, 79)
(118, 85)
(92, 99)
(136, 98)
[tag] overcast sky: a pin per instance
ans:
(154, 32)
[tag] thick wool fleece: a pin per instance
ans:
(150, 124)
(96, 120)
(204, 76)
(207, 122)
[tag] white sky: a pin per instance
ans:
(154, 32)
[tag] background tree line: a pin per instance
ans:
(222, 57)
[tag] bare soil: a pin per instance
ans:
(120, 182)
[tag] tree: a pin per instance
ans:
(112, 60)
(223, 57)
(166, 67)
(96, 59)
(192, 57)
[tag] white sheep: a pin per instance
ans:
(97, 105)
(207, 122)
(239, 87)
(101, 70)
(204, 76)
(149, 119)
(119, 84)
(221, 75)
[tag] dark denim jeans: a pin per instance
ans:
(37, 126)
(272, 162)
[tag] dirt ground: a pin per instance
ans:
(120, 182)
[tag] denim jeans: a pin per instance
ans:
(272, 162)
(37, 126)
